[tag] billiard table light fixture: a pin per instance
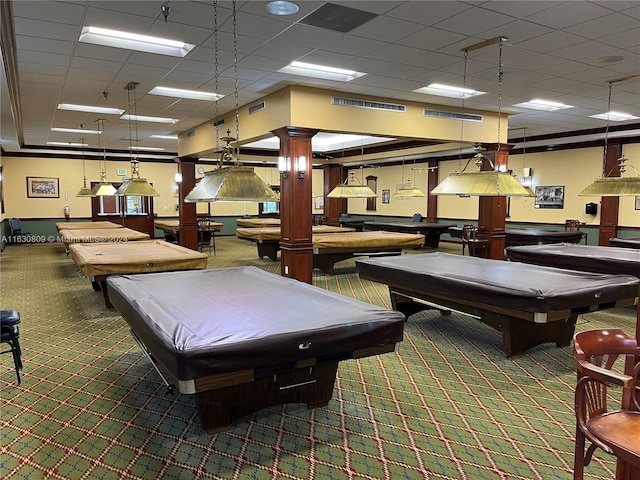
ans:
(608, 185)
(350, 189)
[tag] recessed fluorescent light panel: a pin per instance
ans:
(147, 149)
(321, 71)
(90, 109)
(614, 116)
(134, 41)
(545, 105)
(67, 144)
(165, 137)
(143, 118)
(75, 130)
(325, 142)
(448, 91)
(190, 94)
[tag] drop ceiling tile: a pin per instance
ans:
(386, 29)
(283, 51)
(550, 42)
(517, 31)
(585, 51)
(603, 26)
(627, 39)
(96, 64)
(260, 27)
(428, 13)
(520, 9)
(568, 14)
(48, 45)
(307, 36)
(179, 31)
(49, 12)
(473, 21)
(42, 58)
(395, 53)
(352, 45)
(431, 39)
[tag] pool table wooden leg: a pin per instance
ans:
(311, 385)
(269, 249)
(519, 335)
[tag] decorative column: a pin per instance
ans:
(432, 200)
(333, 207)
(296, 218)
(610, 206)
(492, 211)
(188, 233)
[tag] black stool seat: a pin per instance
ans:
(9, 320)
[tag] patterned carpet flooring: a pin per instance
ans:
(446, 405)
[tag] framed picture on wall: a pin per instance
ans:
(637, 203)
(43, 187)
(549, 197)
(386, 196)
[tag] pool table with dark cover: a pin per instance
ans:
(243, 339)
(625, 242)
(587, 258)
(431, 231)
(528, 304)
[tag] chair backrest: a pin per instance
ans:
(16, 226)
(597, 355)
(572, 225)
(469, 232)
(417, 217)
(204, 223)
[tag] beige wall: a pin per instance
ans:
(69, 173)
(575, 169)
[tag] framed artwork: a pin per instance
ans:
(637, 203)
(386, 196)
(43, 187)
(550, 197)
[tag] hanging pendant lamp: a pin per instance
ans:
(352, 187)
(609, 186)
(483, 183)
(104, 188)
(235, 183)
(408, 189)
(135, 186)
(84, 191)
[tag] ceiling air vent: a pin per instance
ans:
(257, 107)
(218, 123)
(452, 115)
(191, 133)
(356, 102)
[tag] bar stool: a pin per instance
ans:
(9, 320)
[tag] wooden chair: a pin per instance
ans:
(617, 432)
(477, 246)
(9, 320)
(574, 226)
(206, 235)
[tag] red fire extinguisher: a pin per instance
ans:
(67, 213)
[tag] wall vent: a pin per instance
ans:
(191, 133)
(218, 123)
(257, 107)
(472, 117)
(356, 102)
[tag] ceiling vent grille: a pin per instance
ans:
(472, 117)
(191, 133)
(356, 102)
(257, 107)
(217, 123)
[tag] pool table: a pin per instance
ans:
(100, 260)
(242, 339)
(531, 236)
(85, 225)
(431, 231)
(329, 249)
(268, 238)
(625, 242)
(101, 235)
(528, 304)
(587, 258)
(257, 222)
